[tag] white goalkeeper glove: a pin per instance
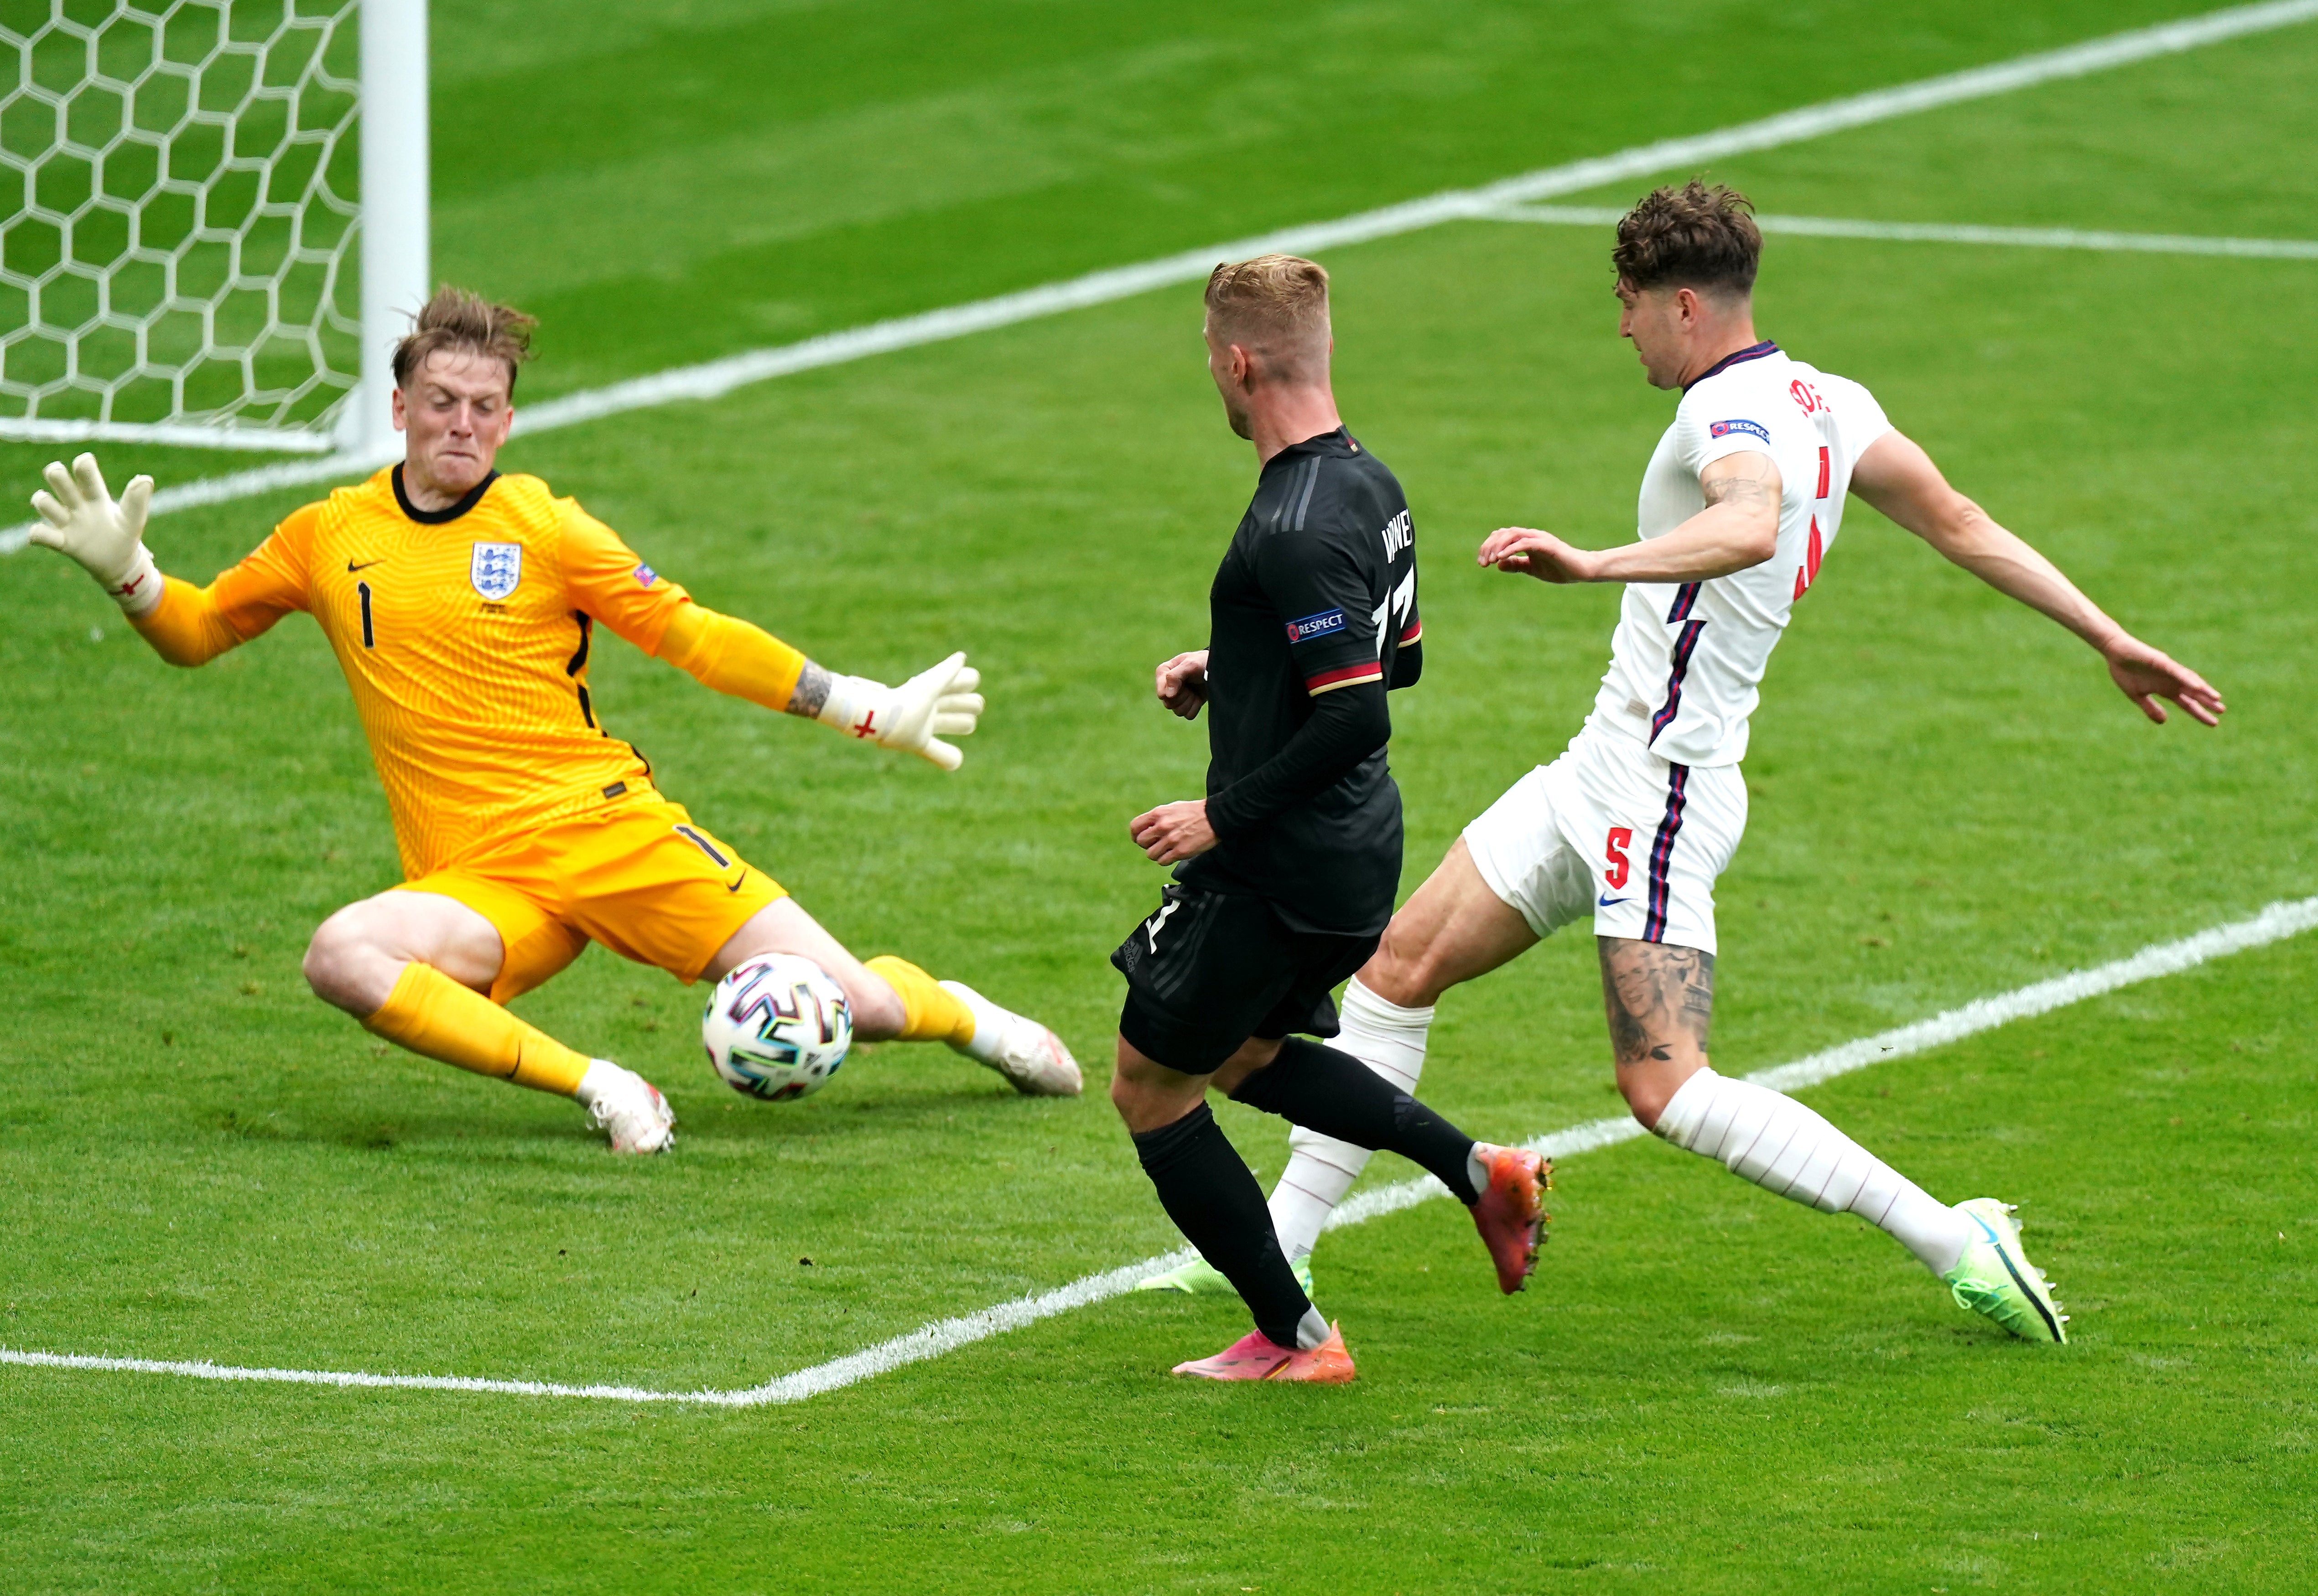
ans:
(79, 517)
(914, 717)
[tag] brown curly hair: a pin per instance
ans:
(1693, 236)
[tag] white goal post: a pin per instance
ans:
(213, 219)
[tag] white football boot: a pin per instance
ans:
(1018, 1047)
(627, 1108)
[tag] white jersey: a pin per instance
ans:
(1687, 660)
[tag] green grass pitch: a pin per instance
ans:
(1707, 1389)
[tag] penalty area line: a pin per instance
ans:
(943, 1336)
(713, 379)
(2273, 924)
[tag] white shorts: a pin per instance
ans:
(1612, 831)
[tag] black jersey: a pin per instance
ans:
(1316, 597)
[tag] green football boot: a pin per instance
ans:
(1995, 1279)
(1199, 1277)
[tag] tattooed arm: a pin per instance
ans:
(1738, 528)
(812, 691)
(729, 655)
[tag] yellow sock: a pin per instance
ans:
(429, 1013)
(929, 1013)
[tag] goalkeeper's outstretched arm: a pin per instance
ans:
(607, 580)
(729, 654)
(186, 624)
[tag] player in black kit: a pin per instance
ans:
(1286, 871)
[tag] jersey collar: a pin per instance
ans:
(448, 513)
(1339, 442)
(1752, 351)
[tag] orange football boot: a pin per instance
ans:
(1511, 1214)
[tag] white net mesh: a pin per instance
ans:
(179, 237)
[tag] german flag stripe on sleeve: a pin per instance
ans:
(1412, 632)
(1350, 676)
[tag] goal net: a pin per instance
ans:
(186, 187)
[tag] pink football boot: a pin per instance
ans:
(1256, 1357)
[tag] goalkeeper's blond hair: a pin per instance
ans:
(459, 320)
(1275, 306)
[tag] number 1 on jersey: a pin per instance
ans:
(362, 591)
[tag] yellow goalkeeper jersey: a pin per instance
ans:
(464, 635)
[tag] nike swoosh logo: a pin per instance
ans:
(1605, 902)
(734, 884)
(366, 564)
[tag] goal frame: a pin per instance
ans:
(395, 210)
(392, 254)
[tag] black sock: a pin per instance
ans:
(1336, 1095)
(1209, 1191)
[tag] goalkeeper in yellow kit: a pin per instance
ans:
(461, 605)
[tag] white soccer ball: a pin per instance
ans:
(776, 1028)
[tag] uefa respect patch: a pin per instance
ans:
(1723, 429)
(1327, 623)
(646, 576)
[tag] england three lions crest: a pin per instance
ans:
(496, 570)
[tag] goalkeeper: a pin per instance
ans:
(461, 605)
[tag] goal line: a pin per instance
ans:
(713, 379)
(2273, 924)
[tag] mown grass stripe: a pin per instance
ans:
(713, 379)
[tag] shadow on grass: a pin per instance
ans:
(522, 1129)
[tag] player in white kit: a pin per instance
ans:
(1635, 822)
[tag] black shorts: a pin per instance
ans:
(1211, 970)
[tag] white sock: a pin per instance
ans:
(1783, 1147)
(602, 1075)
(1389, 1040)
(1312, 1331)
(991, 1023)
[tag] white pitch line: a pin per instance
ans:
(928, 1340)
(2273, 924)
(192, 436)
(1831, 226)
(716, 378)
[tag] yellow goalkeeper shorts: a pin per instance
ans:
(638, 877)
